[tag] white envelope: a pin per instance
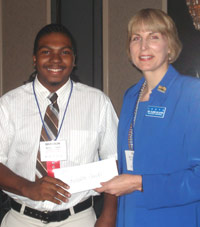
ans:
(88, 176)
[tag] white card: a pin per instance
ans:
(52, 151)
(129, 159)
(87, 176)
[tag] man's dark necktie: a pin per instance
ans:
(49, 132)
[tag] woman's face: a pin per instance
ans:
(149, 51)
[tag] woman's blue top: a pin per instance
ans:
(166, 140)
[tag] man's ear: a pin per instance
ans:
(74, 61)
(34, 60)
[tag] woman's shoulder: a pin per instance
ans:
(134, 89)
(187, 82)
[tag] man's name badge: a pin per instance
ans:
(52, 151)
(155, 111)
(129, 159)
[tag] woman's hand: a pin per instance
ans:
(122, 184)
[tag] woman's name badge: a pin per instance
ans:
(156, 111)
(52, 151)
(129, 159)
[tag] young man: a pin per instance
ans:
(87, 127)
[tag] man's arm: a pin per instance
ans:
(46, 188)
(109, 212)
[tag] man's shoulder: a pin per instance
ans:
(22, 91)
(85, 89)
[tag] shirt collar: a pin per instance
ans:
(162, 89)
(43, 93)
(166, 81)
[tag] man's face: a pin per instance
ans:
(54, 60)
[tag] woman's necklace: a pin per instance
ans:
(130, 133)
(138, 101)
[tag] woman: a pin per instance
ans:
(159, 132)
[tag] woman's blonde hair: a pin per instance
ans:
(156, 20)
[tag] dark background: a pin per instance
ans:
(84, 21)
(189, 60)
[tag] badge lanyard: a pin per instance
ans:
(131, 129)
(52, 164)
(63, 114)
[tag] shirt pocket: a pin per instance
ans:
(82, 147)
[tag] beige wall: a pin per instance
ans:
(119, 74)
(20, 20)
